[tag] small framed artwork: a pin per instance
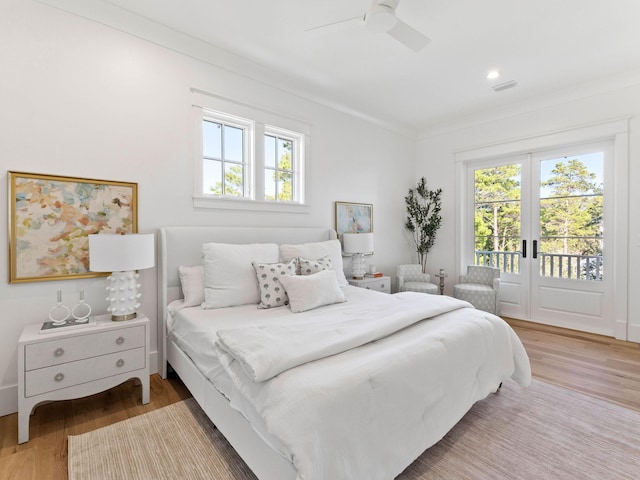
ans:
(51, 216)
(354, 218)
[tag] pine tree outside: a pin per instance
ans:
(570, 224)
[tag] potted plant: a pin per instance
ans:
(423, 218)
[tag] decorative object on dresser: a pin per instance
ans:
(356, 245)
(61, 315)
(423, 218)
(380, 284)
(71, 363)
(411, 279)
(480, 287)
(122, 255)
(50, 217)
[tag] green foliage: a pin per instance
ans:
(573, 211)
(423, 218)
(497, 213)
(283, 176)
(233, 182)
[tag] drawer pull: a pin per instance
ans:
(120, 363)
(120, 340)
(58, 352)
(59, 377)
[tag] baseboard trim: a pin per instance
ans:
(620, 330)
(8, 400)
(633, 333)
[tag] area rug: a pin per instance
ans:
(542, 432)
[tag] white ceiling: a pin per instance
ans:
(545, 45)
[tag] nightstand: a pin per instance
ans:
(380, 284)
(63, 365)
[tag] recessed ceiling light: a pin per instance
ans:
(493, 74)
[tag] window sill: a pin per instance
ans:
(248, 205)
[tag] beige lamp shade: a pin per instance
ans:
(357, 243)
(121, 253)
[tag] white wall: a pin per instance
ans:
(436, 151)
(81, 99)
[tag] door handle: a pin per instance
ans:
(535, 249)
(524, 249)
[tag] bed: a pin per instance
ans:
(323, 396)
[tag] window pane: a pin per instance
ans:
(233, 180)
(212, 177)
(285, 184)
(270, 151)
(284, 154)
(269, 184)
(571, 217)
(579, 174)
(211, 139)
(497, 217)
(233, 143)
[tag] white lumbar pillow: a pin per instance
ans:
(312, 291)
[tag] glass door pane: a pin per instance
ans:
(497, 217)
(571, 217)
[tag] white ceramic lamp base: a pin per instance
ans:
(122, 295)
(358, 266)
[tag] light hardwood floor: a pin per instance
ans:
(592, 364)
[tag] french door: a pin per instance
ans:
(543, 218)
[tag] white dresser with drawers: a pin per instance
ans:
(73, 362)
(380, 284)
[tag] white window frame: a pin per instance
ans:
(248, 128)
(259, 122)
(297, 142)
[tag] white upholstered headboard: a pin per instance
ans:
(183, 246)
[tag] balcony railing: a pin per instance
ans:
(581, 267)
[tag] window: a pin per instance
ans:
(224, 158)
(253, 160)
(280, 160)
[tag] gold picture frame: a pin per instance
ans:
(354, 218)
(50, 217)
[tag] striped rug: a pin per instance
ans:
(543, 432)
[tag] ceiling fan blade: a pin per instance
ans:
(408, 36)
(337, 26)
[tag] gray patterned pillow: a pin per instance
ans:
(272, 293)
(309, 267)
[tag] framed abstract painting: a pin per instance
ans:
(50, 217)
(354, 218)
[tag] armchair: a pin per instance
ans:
(411, 279)
(480, 287)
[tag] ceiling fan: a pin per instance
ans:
(381, 18)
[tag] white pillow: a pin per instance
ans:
(272, 293)
(192, 281)
(229, 278)
(315, 251)
(307, 292)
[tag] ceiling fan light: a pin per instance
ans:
(380, 19)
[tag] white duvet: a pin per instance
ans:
(366, 401)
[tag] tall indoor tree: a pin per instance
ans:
(423, 218)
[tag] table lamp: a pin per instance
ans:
(122, 255)
(356, 245)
